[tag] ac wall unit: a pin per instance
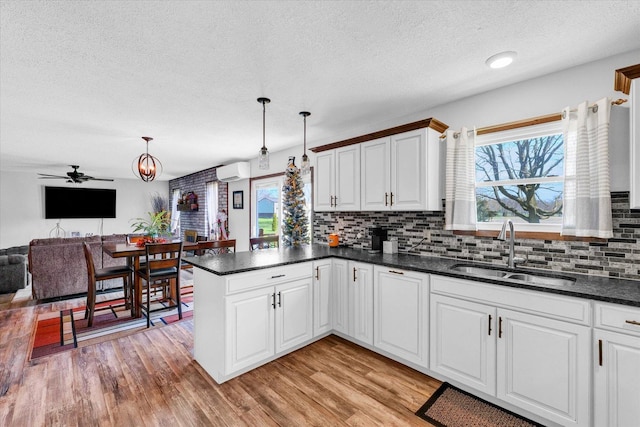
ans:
(234, 172)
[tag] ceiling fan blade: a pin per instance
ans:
(46, 175)
(101, 179)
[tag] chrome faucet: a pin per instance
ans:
(512, 236)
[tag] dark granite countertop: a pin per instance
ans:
(599, 288)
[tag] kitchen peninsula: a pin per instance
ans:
(254, 307)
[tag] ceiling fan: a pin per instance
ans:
(74, 176)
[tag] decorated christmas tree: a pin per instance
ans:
(295, 228)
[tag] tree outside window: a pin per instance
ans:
(520, 179)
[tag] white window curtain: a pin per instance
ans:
(212, 207)
(587, 192)
(175, 213)
(460, 194)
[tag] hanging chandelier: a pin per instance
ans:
(147, 167)
(263, 155)
(305, 167)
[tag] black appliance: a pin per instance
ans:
(378, 235)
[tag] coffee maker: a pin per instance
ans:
(378, 235)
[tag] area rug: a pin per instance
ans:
(63, 330)
(451, 407)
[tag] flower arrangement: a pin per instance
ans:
(153, 226)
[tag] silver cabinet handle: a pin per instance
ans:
(396, 272)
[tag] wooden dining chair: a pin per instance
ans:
(162, 270)
(264, 242)
(217, 247)
(94, 276)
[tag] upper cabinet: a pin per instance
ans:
(337, 181)
(399, 168)
(627, 80)
(402, 172)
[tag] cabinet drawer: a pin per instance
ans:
(618, 318)
(535, 302)
(267, 277)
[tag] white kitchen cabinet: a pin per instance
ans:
(247, 319)
(337, 180)
(361, 301)
(340, 295)
(250, 327)
(463, 342)
(294, 309)
(265, 322)
(402, 172)
(616, 365)
(401, 302)
(529, 349)
(322, 296)
(543, 366)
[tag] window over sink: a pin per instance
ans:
(520, 176)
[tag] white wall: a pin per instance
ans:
(22, 207)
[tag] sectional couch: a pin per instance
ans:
(58, 268)
(13, 269)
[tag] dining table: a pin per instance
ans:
(133, 253)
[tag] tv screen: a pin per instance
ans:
(66, 202)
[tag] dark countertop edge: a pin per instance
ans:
(366, 258)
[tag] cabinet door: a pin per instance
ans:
(401, 313)
(375, 175)
(347, 178)
(463, 342)
(322, 297)
(340, 293)
(616, 379)
(544, 366)
(361, 302)
(249, 331)
(408, 170)
(324, 181)
(294, 320)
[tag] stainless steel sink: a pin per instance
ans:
(479, 271)
(534, 279)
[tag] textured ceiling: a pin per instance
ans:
(81, 82)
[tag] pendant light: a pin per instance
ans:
(305, 167)
(147, 167)
(263, 155)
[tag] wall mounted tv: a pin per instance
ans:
(67, 202)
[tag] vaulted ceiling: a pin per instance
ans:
(82, 81)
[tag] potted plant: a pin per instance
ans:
(152, 227)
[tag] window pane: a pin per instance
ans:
(523, 159)
(267, 209)
(531, 203)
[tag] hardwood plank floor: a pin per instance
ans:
(151, 379)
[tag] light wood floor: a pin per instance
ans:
(150, 378)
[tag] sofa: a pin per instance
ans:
(13, 269)
(58, 267)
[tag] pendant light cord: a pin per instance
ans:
(263, 125)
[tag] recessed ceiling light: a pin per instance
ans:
(502, 59)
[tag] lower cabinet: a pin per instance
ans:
(322, 296)
(340, 295)
(267, 321)
(360, 305)
(538, 363)
(616, 366)
(463, 343)
(400, 313)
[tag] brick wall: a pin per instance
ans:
(197, 182)
(618, 257)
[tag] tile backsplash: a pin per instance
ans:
(617, 257)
